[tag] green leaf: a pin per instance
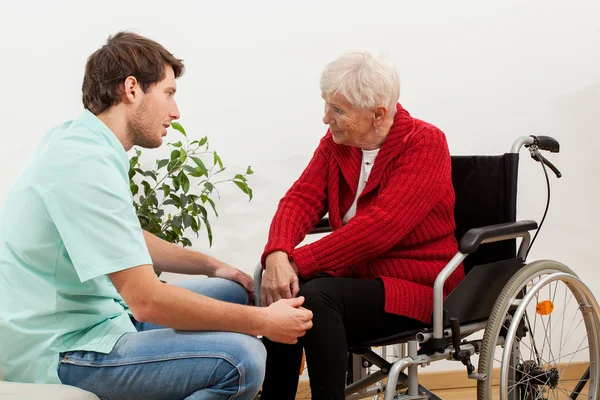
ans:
(203, 212)
(153, 200)
(196, 225)
(182, 156)
(185, 182)
(151, 174)
(147, 188)
(177, 221)
(138, 152)
(212, 204)
(175, 155)
(166, 189)
(208, 231)
(171, 202)
(133, 161)
(134, 188)
(217, 160)
(240, 177)
(186, 242)
(244, 188)
(189, 169)
(201, 167)
(249, 171)
(162, 163)
(177, 231)
(178, 144)
(175, 197)
(176, 183)
(187, 220)
(131, 173)
(183, 201)
(209, 186)
(161, 235)
(177, 125)
(203, 141)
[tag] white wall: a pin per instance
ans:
(484, 72)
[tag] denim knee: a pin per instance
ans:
(252, 358)
(217, 288)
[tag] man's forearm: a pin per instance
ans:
(178, 308)
(169, 257)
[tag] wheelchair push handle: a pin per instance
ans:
(544, 143)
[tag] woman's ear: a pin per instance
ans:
(379, 115)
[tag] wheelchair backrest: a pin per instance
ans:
(486, 194)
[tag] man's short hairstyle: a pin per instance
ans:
(124, 54)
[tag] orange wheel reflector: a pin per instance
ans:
(545, 307)
(302, 365)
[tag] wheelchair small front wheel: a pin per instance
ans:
(542, 338)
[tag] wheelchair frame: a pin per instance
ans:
(438, 337)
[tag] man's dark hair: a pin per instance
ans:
(124, 54)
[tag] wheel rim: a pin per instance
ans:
(554, 347)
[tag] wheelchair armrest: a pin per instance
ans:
(471, 240)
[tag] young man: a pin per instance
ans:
(79, 301)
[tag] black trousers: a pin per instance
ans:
(345, 311)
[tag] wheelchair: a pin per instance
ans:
(537, 325)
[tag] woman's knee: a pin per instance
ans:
(316, 294)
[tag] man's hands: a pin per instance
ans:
(226, 271)
(287, 320)
(280, 279)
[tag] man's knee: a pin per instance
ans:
(217, 288)
(252, 359)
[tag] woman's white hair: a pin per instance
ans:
(364, 78)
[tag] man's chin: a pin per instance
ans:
(150, 145)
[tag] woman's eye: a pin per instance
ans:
(337, 110)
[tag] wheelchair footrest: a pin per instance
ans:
(478, 376)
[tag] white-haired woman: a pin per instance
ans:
(384, 178)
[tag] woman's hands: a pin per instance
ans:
(280, 279)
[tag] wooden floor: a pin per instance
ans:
(446, 394)
(454, 385)
(455, 394)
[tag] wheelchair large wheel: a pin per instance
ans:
(547, 323)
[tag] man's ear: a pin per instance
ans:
(379, 115)
(130, 90)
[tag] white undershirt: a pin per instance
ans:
(368, 159)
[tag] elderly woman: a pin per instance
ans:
(384, 178)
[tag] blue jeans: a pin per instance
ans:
(160, 363)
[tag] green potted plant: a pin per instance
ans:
(173, 197)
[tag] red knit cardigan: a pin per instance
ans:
(403, 230)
